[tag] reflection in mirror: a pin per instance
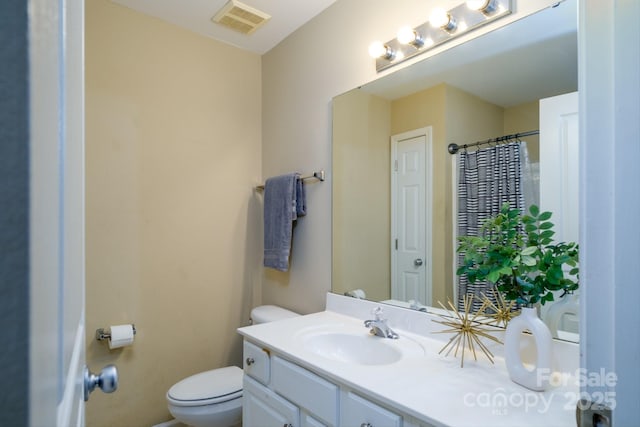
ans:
(487, 87)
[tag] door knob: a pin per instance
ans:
(107, 380)
(417, 262)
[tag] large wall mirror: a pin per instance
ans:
(487, 87)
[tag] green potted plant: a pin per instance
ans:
(517, 254)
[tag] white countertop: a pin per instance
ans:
(429, 387)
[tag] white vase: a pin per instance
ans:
(568, 305)
(536, 379)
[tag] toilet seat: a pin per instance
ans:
(207, 388)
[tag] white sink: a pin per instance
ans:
(358, 348)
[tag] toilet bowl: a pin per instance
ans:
(214, 398)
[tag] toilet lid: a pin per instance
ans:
(215, 386)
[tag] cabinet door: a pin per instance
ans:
(357, 411)
(256, 362)
(262, 407)
(304, 388)
(309, 421)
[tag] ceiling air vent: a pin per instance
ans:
(240, 17)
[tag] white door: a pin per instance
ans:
(57, 343)
(559, 177)
(559, 185)
(411, 216)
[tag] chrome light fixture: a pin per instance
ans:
(487, 7)
(442, 26)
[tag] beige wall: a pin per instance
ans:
(361, 195)
(173, 150)
(522, 118)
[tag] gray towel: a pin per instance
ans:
(284, 202)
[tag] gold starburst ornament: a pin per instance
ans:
(502, 310)
(467, 328)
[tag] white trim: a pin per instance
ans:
(609, 46)
(68, 408)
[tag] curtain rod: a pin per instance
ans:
(453, 148)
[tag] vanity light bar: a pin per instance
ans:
(460, 20)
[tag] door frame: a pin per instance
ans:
(427, 132)
(56, 213)
(609, 46)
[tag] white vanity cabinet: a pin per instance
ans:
(355, 410)
(313, 394)
(278, 392)
(263, 407)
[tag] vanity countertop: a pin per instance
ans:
(429, 387)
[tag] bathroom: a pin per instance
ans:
(179, 131)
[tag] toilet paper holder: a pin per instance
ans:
(105, 333)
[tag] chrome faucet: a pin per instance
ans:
(379, 326)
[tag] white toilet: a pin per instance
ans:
(214, 398)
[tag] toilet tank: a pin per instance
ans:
(270, 313)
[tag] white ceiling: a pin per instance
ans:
(195, 15)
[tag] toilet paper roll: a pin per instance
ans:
(356, 293)
(121, 335)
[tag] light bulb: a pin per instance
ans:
(484, 6)
(442, 19)
(477, 4)
(439, 17)
(406, 35)
(377, 49)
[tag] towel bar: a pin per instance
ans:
(319, 175)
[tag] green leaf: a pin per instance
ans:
(524, 284)
(528, 260)
(544, 216)
(534, 210)
(554, 275)
(526, 219)
(505, 271)
(547, 234)
(548, 297)
(546, 225)
(529, 250)
(493, 276)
